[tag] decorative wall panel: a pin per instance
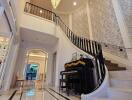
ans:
(80, 22)
(105, 26)
(126, 7)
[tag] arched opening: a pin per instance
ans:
(36, 67)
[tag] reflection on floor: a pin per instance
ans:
(5, 95)
(31, 93)
(63, 93)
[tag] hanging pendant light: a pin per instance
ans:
(55, 3)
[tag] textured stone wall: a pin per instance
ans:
(104, 22)
(105, 26)
(80, 22)
(115, 50)
(65, 18)
(126, 7)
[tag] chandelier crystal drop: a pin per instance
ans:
(55, 3)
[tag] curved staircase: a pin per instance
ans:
(120, 78)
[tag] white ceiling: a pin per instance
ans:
(67, 5)
(38, 37)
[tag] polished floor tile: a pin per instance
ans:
(72, 96)
(31, 93)
(6, 95)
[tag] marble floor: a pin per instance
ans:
(5, 95)
(30, 95)
(35, 94)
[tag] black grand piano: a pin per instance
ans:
(79, 76)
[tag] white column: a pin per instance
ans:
(89, 22)
(49, 69)
(70, 21)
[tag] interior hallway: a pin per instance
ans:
(32, 93)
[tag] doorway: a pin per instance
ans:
(54, 69)
(36, 66)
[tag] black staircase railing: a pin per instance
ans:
(91, 47)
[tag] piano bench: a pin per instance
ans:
(62, 82)
(64, 85)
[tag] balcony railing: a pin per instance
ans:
(38, 11)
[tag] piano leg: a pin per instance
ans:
(68, 88)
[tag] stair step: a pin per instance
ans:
(126, 74)
(122, 94)
(107, 61)
(101, 99)
(121, 83)
(112, 64)
(112, 68)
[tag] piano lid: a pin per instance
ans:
(75, 63)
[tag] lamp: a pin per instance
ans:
(55, 3)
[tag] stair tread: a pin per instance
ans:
(115, 69)
(120, 73)
(120, 89)
(113, 66)
(130, 71)
(121, 79)
(121, 83)
(107, 60)
(101, 99)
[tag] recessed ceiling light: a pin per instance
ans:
(74, 3)
(41, 11)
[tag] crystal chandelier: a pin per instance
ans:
(55, 3)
